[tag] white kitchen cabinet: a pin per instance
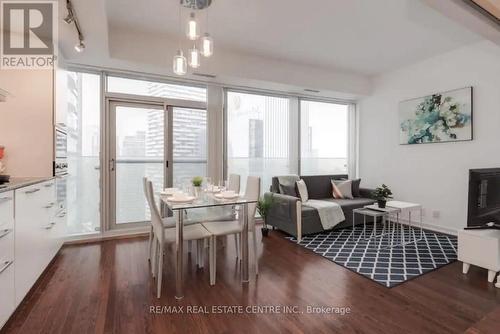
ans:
(32, 231)
(7, 292)
(36, 235)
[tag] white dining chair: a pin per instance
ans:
(168, 222)
(224, 228)
(163, 236)
(233, 183)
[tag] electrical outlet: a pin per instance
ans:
(436, 214)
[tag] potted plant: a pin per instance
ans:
(197, 181)
(382, 194)
(264, 204)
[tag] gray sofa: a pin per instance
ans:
(289, 215)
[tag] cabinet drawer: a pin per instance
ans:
(6, 244)
(7, 209)
(7, 305)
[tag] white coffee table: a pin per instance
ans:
(407, 207)
(402, 208)
(376, 213)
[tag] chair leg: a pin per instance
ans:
(255, 253)
(236, 243)
(212, 261)
(154, 259)
(200, 261)
(160, 271)
(150, 243)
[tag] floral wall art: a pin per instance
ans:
(440, 117)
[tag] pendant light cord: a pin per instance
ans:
(179, 26)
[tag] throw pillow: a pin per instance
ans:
(342, 189)
(355, 187)
(288, 189)
(302, 190)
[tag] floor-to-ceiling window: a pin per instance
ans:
(82, 118)
(259, 136)
(324, 137)
(262, 136)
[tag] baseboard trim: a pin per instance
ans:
(109, 235)
(431, 227)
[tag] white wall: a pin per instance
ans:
(26, 122)
(435, 175)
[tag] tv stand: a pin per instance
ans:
(487, 226)
(480, 248)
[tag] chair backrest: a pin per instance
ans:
(252, 192)
(156, 220)
(234, 183)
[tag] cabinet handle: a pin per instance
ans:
(48, 185)
(49, 206)
(32, 191)
(48, 227)
(61, 214)
(5, 199)
(4, 233)
(6, 265)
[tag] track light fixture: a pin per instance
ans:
(71, 18)
(80, 46)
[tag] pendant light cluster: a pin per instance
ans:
(206, 43)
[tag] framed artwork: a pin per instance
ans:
(436, 118)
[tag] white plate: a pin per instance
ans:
(169, 191)
(187, 199)
(221, 196)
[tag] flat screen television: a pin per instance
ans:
(484, 198)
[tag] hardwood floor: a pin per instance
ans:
(106, 288)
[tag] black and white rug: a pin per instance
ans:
(384, 265)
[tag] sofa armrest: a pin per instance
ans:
(285, 210)
(366, 192)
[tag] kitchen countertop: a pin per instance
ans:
(19, 182)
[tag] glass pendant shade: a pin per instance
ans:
(207, 45)
(194, 57)
(192, 28)
(180, 63)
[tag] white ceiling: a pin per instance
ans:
(362, 37)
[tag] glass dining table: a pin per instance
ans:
(207, 201)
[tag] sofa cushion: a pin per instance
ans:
(288, 189)
(351, 203)
(319, 186)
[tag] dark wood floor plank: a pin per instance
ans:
(106, 288)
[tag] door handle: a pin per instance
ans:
(4, 233)
(6, 265)
(112, 165)
(5, 199)
(48, 227)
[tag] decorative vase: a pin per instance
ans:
(197, 191)
(381, 203)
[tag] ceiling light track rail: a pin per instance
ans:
(71, 18)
